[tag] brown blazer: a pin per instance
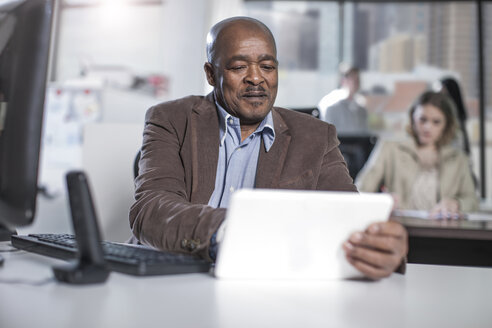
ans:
(179, 162)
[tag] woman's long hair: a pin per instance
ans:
(445, 105)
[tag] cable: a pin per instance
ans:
(27, 282)
(11, 250)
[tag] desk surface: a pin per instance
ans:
(427, 296)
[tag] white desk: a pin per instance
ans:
(427, 296)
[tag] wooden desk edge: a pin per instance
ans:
(454, 232)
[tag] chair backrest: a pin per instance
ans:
(356, 150)
(313, 111)
(135, 164)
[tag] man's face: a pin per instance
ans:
(244, 74)
(352, 82)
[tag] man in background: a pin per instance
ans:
(344, 107)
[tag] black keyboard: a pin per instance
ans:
(125, 258)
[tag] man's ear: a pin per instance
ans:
(209, 72)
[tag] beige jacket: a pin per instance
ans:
(395, 165)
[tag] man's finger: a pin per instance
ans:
(369, 270)
(372, 257)
(385, 243)
(390, 228)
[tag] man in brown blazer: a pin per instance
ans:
(197, 150)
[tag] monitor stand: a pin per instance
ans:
(5, 233)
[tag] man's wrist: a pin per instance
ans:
(215, 240)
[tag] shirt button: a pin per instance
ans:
(231, 121)
(231, 189)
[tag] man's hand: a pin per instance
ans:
(379, 250)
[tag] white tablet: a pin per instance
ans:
(286, 234)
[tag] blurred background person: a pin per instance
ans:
(345, 107)
(426, 172)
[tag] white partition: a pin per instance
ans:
(108, 153)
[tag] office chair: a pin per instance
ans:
(135, 164)
(313, 111)
(356, 150)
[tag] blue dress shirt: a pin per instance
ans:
(236, 167)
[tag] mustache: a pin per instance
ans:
(258, 88)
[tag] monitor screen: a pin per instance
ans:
(25, 30)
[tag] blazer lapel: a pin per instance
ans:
(205, 149)
(270, 164)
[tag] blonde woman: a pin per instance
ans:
(425, 172)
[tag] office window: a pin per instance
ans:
(487, 22)
(307, 46)
(402, 49)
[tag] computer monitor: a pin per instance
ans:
(356, 150)
(25, 30)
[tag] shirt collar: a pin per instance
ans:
(265, 128)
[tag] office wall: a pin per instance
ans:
(125, 36)
(184, 43)
(167, 39)
(100, 51)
